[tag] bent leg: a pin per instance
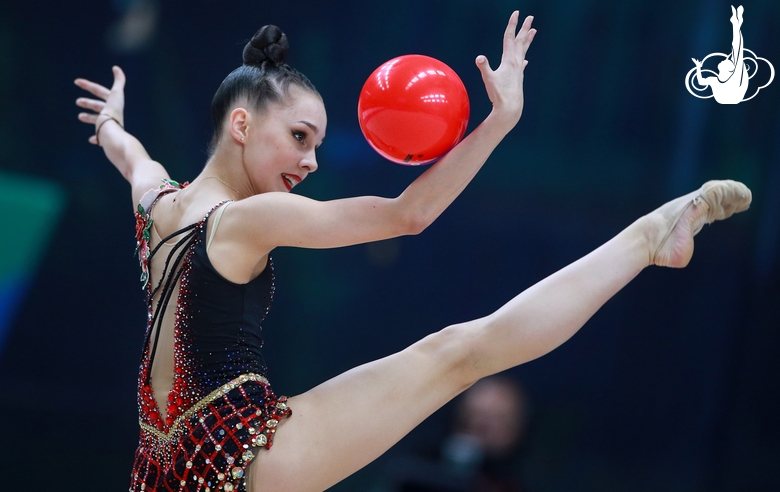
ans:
(345, 423)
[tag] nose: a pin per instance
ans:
(309, 163)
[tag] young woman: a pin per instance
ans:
(205, 407)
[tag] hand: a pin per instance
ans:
(505, 84)
(696, 62)
(110, 105)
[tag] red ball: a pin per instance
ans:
(413, 109)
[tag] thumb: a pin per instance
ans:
(482, 63)
(484, 66)
(119, 79)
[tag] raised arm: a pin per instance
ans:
(123, 150)
(280, 219)
(701, 80)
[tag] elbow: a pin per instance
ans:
(415, 227)
(416, 221)
(127, 173)
(411, 218)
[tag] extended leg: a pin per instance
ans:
(345, 423)
(736, 38)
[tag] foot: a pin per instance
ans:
(736, 16)
(681, 219)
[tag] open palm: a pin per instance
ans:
(505, 84)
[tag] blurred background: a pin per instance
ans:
(672, 386)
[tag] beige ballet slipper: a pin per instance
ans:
(715, 200)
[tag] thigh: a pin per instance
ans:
(347, 422)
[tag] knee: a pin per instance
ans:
(456, 350)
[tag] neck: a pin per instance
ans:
(224, 170)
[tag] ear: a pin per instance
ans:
(238, 123)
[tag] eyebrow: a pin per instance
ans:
(310, 125)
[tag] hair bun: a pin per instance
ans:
(268, 44)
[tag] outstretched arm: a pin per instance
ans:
(123, 150)
(280, 219)
(701, 80)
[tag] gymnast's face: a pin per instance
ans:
(281, 141)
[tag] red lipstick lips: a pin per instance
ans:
(290, 180)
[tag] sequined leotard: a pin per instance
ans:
(221, 406)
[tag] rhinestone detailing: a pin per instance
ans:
(206, 444)
(202, 436)
(185, 391)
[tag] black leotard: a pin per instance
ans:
(221, 405)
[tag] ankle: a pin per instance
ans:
(648, 232)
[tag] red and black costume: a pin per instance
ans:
(221, 405)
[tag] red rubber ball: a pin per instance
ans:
(413, 109)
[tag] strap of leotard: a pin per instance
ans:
(168, 279)
(171, 274)
(214, 225)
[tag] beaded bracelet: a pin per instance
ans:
(97, 132)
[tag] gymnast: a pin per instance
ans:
(208, 416)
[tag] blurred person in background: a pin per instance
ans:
(481, 452)
(488, 429)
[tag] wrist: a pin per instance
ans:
(503, 121)
(105, 115)
(103, 119)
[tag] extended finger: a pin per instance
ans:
(526, 35)
(93, 104)
(509, 33)
(96, 89)
(89, 118)
(119, 79)
(521, 40)
(523, 32)
(528, 40)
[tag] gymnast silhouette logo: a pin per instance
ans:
(730, 84)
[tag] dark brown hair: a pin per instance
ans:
(263, 79)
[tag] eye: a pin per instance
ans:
(299, 136)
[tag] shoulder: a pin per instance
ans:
(267, 209)
(150, 194)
